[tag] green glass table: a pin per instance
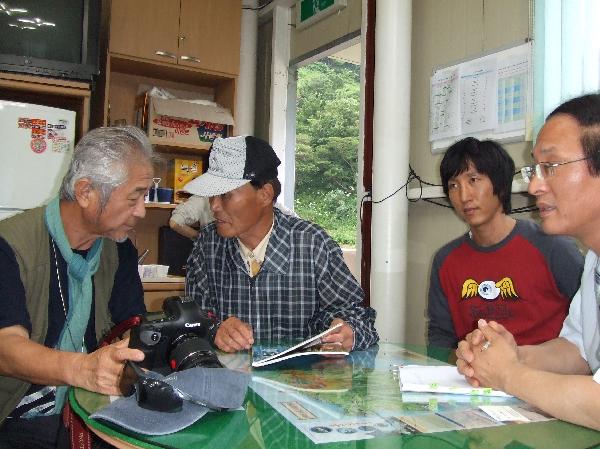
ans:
(356, 399)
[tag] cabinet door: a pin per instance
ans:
(210, 35)
(145, 28)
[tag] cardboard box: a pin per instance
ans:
(182, 171)
(182, 122)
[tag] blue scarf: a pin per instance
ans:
(80, 272)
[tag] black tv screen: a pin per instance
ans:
(54, 38)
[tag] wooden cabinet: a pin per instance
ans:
(209, 35)
(145, 28)
(202, 34)
(186, 45)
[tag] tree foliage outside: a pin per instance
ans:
(327, 133)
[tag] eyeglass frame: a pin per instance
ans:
(529, 171)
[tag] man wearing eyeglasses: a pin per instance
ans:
(561, 376)
(503, 269)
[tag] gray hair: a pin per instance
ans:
(103, 156)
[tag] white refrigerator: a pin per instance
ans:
(36, 146)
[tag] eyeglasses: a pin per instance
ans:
(543, 170)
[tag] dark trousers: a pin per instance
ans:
(45, 432)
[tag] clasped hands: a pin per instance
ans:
(235, 335)
(488, 355)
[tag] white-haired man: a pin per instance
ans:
(68, 274)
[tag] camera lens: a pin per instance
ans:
(191, 351)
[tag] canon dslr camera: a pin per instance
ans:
(179, 338)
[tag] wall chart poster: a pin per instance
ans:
(488, 97)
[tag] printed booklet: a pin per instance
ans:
(264, 356)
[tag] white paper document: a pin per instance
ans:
(440, 379)
(478, 95)
(444, 117)
(513, 91)
(503, 413)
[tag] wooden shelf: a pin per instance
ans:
(56, 86)
(173, 283)
(178, 73)
(156, 292)
(181, 148)
(152, 205)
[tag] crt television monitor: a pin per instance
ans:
(56, 38)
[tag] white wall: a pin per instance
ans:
(445, 31)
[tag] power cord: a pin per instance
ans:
(413, 176)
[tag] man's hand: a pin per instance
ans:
(469, 348)
(234, 335)
(344, 335)
(102, 370)
(496, 360)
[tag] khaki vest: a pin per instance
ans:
(28, 236)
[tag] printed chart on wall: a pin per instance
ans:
(489, 97)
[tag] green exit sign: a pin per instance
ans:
(311, 11)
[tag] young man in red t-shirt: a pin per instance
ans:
(503, 269)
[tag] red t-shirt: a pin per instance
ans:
(513, 283)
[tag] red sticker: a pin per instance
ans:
(24, 122)
(38, 145)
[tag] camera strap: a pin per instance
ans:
(79, 435)
(118, 330)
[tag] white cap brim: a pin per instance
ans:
(210, 185)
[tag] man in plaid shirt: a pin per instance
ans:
(265, 275)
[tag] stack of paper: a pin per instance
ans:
(440, 379)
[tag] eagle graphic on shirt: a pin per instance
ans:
(489, 290)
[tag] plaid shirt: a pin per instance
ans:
(302, 286)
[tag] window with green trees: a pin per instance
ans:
(328, 95)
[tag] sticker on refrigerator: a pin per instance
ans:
(38, 145)
(24, 123)
(62, 124)
(38, 128)
(57, 136)
(60, 144)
